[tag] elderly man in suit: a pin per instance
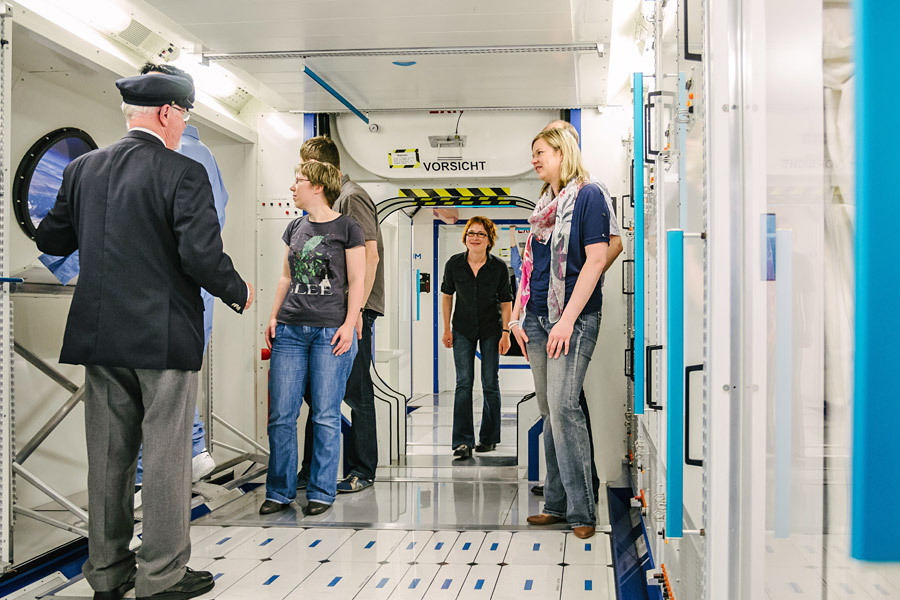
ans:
(144, 221)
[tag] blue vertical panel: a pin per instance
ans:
(309, 126)
(875, 534)
(674, 383)
(638, 155)
(575, 120)
(784, 381)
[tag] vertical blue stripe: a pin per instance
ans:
(587, 547)
(675, 383)
(315, 543)
(267, 542)
(479, 584)
(309, 126)
(528, 584)
(334, 582)
(467, 545)
(270, 580)
(447, 583)
(369, 545)
(638, 243)
(588, 585)
(494, 546)
(784, 299)
(876, 413)
(536, 548)
(382, 583)
(415, 583)
(575, 120)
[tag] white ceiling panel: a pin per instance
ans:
(493, 80)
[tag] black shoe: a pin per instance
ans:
(117, 593)
(302, 482)
(463, 452)
(537, 490)
(315, 508)
(194, 583)
(270, 506)
(485, 447)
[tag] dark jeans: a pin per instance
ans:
(464, 358)
(595, 481)
(362, 450)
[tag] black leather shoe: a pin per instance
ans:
(462, 451)
(485, 447)
(194, 583)
(315, 508)
(537, 490)
(270, 506)
(117, 593)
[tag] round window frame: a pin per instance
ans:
(28, 165)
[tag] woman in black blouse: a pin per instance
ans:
(483, 304)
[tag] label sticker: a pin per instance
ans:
(404, 158)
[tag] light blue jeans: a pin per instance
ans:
(557, 385)
(301, 353)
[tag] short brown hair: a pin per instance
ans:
(489, 228)
(320, 149)
(323, 174)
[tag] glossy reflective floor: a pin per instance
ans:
(431, 527)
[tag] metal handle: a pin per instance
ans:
(648, 150)
(694, 462)
(625, 278)
(637, 192)
(629, 359)
(649, 382)
(631, 182)
(674, 383)
(688, 55)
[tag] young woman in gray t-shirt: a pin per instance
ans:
(312, 336)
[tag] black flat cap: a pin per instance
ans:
(158, 90)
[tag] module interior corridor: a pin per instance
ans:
(430, 527)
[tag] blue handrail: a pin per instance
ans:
(638, 155)
(674, 383)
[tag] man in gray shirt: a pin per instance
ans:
(362, 452)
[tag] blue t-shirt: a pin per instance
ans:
(590, 225)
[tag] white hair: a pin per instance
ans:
(131, 111)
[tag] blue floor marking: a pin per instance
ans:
(217, 575)
(415, 582)
(382, 583)
(222, 541)
(411, 544)
(315, 543)
(588, 585)
(447, 583)
(536, 548)
(370, 544)
(587, 547)
(271, 579)
(334, 582)
(479, 584)
(268, 541)
(494, 546)
(439, 545)
(528, 584)
(467, 545)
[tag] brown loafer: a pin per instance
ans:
(543, 519)
(583, 532)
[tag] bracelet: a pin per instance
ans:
(512, 324)
(506, 331)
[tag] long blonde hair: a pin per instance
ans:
(571, 166)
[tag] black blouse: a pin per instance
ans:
(477, 312)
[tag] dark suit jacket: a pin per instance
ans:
(145, 223)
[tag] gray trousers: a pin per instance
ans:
(122, 406)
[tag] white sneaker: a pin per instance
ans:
(202, 465)
(137, 499)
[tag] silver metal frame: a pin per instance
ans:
(7, 403)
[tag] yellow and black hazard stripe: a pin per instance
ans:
(459, 196)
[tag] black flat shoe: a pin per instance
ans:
(485, 447)
(270, 506)
(315, 508)
(117, 593)
(463, 452)
(537, 490)
(194, 583)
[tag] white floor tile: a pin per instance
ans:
(226, 573)
(222, 542)
(201, 532)
(265, 543)
(466, 547)
(415, 582)
(369, 545)
(410, 547)
(334, 581)
(794, 583)
(438, 547)
(493, 549)
(588, 582)
(480, 583)
(385, 580)
(526, 582)
(448, 582)
(592, 551)
(313, 545)
(536, 548)
(270, 580)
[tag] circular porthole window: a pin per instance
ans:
(39, 175)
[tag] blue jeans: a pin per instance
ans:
(464, 359)
(568, 491)
(301, 353)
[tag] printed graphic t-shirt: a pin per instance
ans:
(317, 296)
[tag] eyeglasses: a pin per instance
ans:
(299, 179)
(185, 115)
(477, 234)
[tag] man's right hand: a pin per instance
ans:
(447, 338)
(250, 295)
